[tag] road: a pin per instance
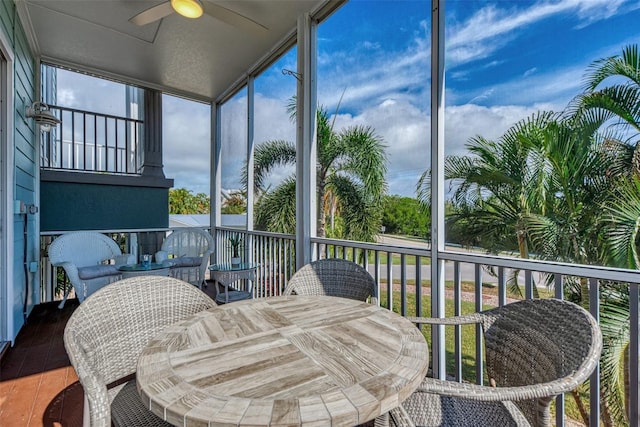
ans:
(467, 271)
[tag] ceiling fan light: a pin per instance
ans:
(188, 8)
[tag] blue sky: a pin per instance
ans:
(505, 60)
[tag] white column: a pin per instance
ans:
(250, 142)
(215, 218)
(306, 194)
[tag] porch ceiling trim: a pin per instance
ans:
(203, 59)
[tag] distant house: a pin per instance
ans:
(234, 221)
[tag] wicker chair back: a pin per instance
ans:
(106, 334)
(333, 277)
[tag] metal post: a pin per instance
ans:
(306, 213)
(215, 217)
(250, 136)
(437, 186)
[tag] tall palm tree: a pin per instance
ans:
(541, 184)
(350, 179)
(619, 103)
(561, 186)
(500, 187)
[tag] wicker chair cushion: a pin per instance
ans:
(99, 270)
(128, 410)
(185, 261)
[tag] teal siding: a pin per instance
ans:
(68, 206)
(25, 168)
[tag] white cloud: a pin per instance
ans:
(271, 123)
(186, 141)
(406, 131)
(491, 28)
(88, 93)
(368, 78)
(555, 88)
(467, 121)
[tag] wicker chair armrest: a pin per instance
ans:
(98, 399)
(454, 320)
(494, 394)
(205, 256)
(398, 417)
(95, 389)
(72, 272)
(68, 266)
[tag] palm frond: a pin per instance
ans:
(614, 323)
(621, 216)
(276, 210)
(268, 156)
(363, 157)
(627, 65)
(361, 215)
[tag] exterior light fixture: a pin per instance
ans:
(39, 111)
(188, 8)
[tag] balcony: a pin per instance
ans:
(104, 177)
(473, 282)
(89, 142)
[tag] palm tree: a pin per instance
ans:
(234, 203)
(542, 185)
(500, 187)
(350, 178)
(619, 104)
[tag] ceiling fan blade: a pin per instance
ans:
(152, 14)
(233, 18)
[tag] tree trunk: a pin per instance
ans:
(580, 404)
(605, 413)
(627, 383)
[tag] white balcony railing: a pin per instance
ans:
(403, 276)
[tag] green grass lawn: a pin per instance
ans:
(396, 258)
(468, 331)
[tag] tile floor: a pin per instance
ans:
(38, 386)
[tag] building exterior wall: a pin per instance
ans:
(67, 206)
(24, 248)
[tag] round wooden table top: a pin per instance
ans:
(295, 360)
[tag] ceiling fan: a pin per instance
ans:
(195, 9)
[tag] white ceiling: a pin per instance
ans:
(198, 58)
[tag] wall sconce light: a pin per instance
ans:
(39, 111)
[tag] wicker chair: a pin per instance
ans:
(90, 260)
(106, 334)
(334, 277)
(535, 350)
(187, 251)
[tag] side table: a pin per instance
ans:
(227, 274)
(153, 269)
